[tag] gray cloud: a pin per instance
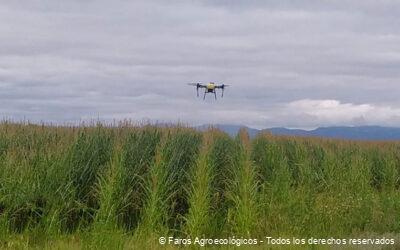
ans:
(73, 60)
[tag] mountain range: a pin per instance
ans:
(339, 132)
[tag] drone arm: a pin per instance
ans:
(222, 86)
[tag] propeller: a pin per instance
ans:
(223, 88)
(197, 87)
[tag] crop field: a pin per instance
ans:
(124, 187)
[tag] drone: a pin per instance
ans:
(209, 88)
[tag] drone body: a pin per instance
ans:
(209, 88)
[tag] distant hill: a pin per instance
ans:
(232, 130)
(351, 133)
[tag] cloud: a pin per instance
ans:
(313, 113)
(72, 60)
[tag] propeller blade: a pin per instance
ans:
(197, 86)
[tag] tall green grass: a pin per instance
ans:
(243, 190)
(166, 198)
(199, 218)
(123, 187)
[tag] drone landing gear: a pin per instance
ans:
(205, 93)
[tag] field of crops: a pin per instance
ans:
(125, 186)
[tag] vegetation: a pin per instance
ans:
(125, 186)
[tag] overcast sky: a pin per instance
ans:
(300, 63)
